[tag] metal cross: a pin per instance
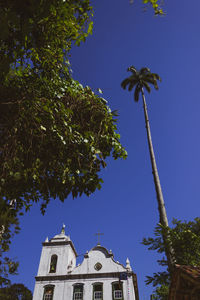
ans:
(99, 233)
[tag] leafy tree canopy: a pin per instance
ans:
(9, 225)
(54, 134)
(16, 291)
(53, 146)
(185, 239)
(41, 33)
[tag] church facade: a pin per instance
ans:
(98, 277)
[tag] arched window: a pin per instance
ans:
(48, 292)
(98, 291)
(78, 292)
(117, 288)
(53, 264)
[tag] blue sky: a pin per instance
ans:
(125, 209)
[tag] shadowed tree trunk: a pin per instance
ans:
(161, 204)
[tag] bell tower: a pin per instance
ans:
(58, 258)
(58, 255)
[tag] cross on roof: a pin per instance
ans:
(99, 233)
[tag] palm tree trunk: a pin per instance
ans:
(161, 205)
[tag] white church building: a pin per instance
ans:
(98, 277)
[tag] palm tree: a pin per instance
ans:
(140, 80)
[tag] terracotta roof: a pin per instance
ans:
(185, 281)
(192, 271)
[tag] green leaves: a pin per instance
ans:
(15, 291)
(9, 225)
(185, 240)
(62, 143)
(41, 33)
(156, 4)
(90, 28)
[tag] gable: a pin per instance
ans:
(98, 260)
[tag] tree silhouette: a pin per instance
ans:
(16, 291)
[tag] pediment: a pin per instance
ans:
(98, 260)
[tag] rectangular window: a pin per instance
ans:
(118, 294)
(117, 289)
(78, 292)
(48, 293)
(98, 291)
(48, 297)
(53, 263)
(78, 296)
(98, 295)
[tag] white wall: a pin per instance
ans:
(64, 290)
(65, 256)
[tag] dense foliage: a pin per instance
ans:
(9, 225)
(55, 134)
(40, 33)
(53, 147)
(16, 291)
(185, 239)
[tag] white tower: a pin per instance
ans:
(58, 258)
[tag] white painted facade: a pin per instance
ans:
(98, 270)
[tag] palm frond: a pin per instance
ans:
(146, 86)
(152, 78)
(137, 92)
(149, 79)
(131, 85)
(156, 85)
(131, 81)
(156, 76)
(132, 69)
(145, 70)
(124, 83)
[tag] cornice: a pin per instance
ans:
(62, 243)
(82, 276)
